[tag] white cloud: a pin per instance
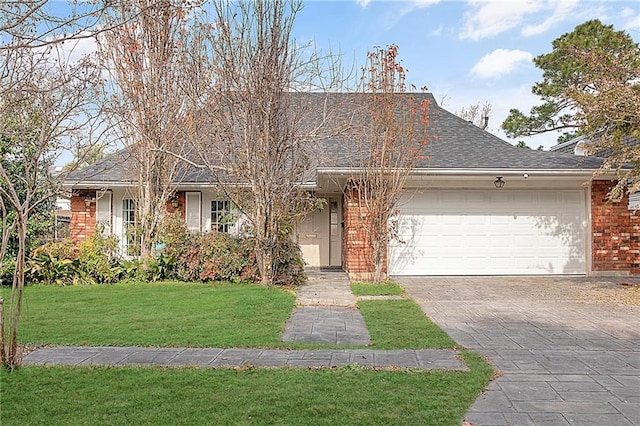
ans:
(490, 18)
(363, 3)
(631, 19)
(437, 32)
(500, 62)
(563, 9)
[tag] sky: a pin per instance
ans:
(465, 52)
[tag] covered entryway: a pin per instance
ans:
(490, 232)
(319, 235)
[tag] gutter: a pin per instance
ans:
(473, 172)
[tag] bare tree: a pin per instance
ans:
(262, 132)
(476, 114)
(46, 108)
(154, 65)
(388, 145)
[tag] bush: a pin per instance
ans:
(52, 263)
(219, 256)
(6, 271)
(289, 264)
(93, 261)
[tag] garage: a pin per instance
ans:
(490, 232)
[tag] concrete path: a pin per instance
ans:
(568, 352)
(219, 357)
(325, 312)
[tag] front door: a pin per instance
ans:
(319, 235)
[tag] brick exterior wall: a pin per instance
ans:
(83, 218)
(356, 250)
(180, 195)
(615, 239)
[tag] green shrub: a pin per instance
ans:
(93, 261)
(289, 268)
(6, 271)
(52, 263)
(213, 256)
(98, 260)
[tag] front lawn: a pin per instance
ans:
(160, 314)
(344, 396)
(395, 324)
(385, 288)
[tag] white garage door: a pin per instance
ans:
(497, 232)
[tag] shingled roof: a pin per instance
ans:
(456, 144)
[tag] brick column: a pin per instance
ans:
(83, 218)
(355, 243)
(615, 238)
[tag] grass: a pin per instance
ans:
(395, 324)
(345, 396)
(222, 315)
(386, 288)
(162, 314)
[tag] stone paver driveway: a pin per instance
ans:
(568, 351)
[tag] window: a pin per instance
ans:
(129, 227)
(221, 217)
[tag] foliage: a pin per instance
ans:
(563, 69)
(389, 143)
(6, 272)
(262, 132)
(157, 65)
(220, 256)
(289, 264)
(93, 261)
(476, 114)
(590, 86)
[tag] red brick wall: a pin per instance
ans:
(83, 218)
(615, 240)
(180, 195)
(356, 250)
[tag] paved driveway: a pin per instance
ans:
(568, 348)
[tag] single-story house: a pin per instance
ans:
(476, 205)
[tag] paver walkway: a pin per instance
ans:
(564, 359)
(325, 312)
(219, 357)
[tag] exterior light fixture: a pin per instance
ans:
(174, 201)
(87, 201)
(498, 183)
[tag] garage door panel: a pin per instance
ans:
(490, 232)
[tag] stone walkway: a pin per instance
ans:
(325, 313)
(565, 359)
(219, 357)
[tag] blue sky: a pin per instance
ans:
(464, 51)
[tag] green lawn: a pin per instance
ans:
(386, 288)
(344, 396)
(163, 314)
(397, 324)
(221, 315)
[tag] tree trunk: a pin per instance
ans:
(12, 358)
